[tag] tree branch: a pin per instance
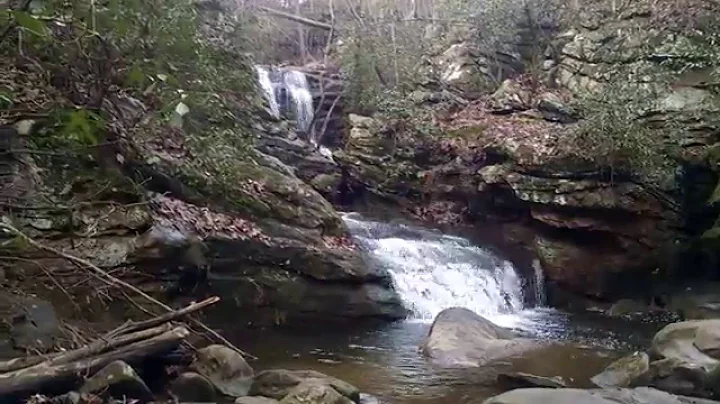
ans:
(296, 18)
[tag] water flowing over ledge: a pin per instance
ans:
(433, 271)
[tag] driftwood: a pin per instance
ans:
(133, 342)
(174, 315)
(48, 377)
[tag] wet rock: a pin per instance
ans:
(461, 338)
(315, 393)
(278, 383)
(627, 307)
(225, 369)
(685, 358)
(678, 341)
(192, 387)
(117, 380)
(577, 396)
(519, 380)
(677, 377)
(623, 372)
(255, 400)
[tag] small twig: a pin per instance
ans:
(114, 281)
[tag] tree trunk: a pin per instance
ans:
(301, 34)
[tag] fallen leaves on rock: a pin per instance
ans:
(204, 221)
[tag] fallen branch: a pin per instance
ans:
(153, 322)
(95, 348)
(45, 376)
(114, 281)
(296, 18)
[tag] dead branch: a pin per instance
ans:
(296, 18)
(328, 46)
(42, 376)
(106, 277)
(92, 349)
(142, 325)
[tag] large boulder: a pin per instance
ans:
(460, 338)
(279, 383)
(225, 369)
(117, 380)
(192, 387)
(683, 361)
(315, 393)
(577, 396)
(624, 372)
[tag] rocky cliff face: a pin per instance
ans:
(187, 209)
(507, 157)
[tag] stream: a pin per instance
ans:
(433, 271)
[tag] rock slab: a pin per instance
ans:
(460, 338)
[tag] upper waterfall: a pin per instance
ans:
(288, 94)
(268, 89)
(433, 271)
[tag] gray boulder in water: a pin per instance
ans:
(460, 338)
(605, 396)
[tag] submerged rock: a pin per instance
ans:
(225, 369)
(255, 400)
(278, 383)
(460, 338)
(118, 380)
(519, 380)
(314, 393)
(624, 372)
(578, 396)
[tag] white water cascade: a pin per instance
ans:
(298, 98)
(432, 271)
(268, 89)
(288, 94)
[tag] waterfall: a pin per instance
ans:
(300, 99)
(432, 271)
(268, 89)
(289, 95)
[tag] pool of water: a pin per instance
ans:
(433, 271)
(385, 361)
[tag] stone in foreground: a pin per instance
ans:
(314, 393)
(192, 387)
(461, 338)
(225, 369)
(118, 380)
(279, 383)
(519, 380)
(623, 372)
(639, 395)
